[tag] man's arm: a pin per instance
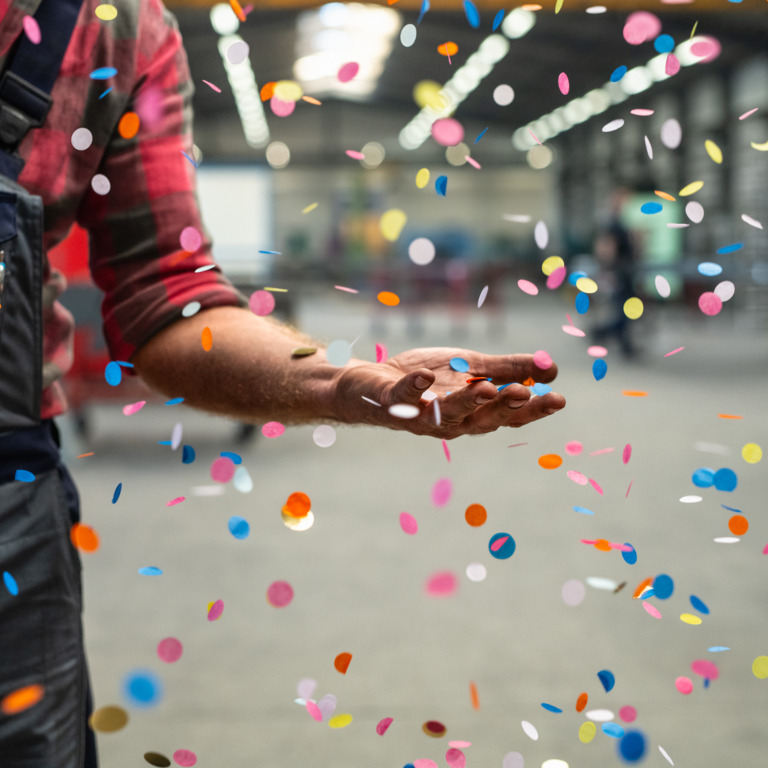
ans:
(250, 373)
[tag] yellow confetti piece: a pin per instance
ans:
(105, 12)
(691, 188)
(689, 618)
(392, 223)
(760, 667)
(340, 721)
(586, 285)
(751, 453)
(713, 151)
(310, 207)
(633, 308)
(587, 732)
(550, 264)
(422, 178)
(426, 93)
(278, 290)
(206, 339)
(759, 147)
(558, 6)
(288, 90)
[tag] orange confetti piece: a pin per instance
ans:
(529, 382)
(728, 416)
(531, 7)
(178, 257)
(665, 195)
(550, 461)
(477, 378)
(84, 455)
(21, 699)
(642, 586)
(206, 339)
(237, 8)
(312, 100)
(392, 2)
(341, 662)
(448, 49)
(129, 124)
(581, 702)
(473, 695)
(475, 515)
(634, 393)
(603, 545)
(388, 298)
(298, 505)
(84, 538)
(738, 525)
(267, 91)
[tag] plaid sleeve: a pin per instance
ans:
(136, 256)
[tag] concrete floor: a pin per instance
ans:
(359, 579)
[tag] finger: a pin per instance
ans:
(410, 388)
(511, 368)
(456, 406)
(536, 408)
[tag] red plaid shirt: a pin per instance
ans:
(135, 254)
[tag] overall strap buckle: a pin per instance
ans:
(22, 107)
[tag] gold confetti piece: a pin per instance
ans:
(759, 147)
(303, 351)
(278, 290)
(713, 151)
(108, 719)
(310, 207)
(691, 188)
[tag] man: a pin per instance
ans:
(134, 193)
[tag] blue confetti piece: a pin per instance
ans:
(504, 549)
(105, 92)
(583, 510)
(703, 477)
(423, 11)
(503, 386)
(551, 707)
(709, 269)
(142, 688)
(651, 208)
(150, 570)
(187, 454)
(725, 480)
(574, 277)
(113, 373)
(116, 494)
(234, 457)
(441, 185)
(103, 73)
(663, 586)
(731, 509)
(632, 746)
(271, 253)
(482, 133)
(497, 19)
(647, 593)
(175, 401)
(164, 442)
(706, 682)
(459, 364)
(718, 648)
(607, 678)
(618, 73)
(699, 605)
(582, 303)
(630, 557)
(123, 364)
(239, 527)
(24, 476)
(191, 159)
(10, 583)
(664, 44)
(541, 389)
(599, 369)
(730, 248)
(614, 730)
(470, 11)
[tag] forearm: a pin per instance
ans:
(249, 373)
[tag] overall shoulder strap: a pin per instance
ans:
(27, 82)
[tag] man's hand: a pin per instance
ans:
(461, 406)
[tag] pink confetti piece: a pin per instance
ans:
(499, 543)
(424, 762)
(441, 492)
(541, 359)
(572, 330)
(534, 137)
(383, 725)
(588, 542)
(641, 112)
(348, 71)
(555, 278)
(710, 303)
(216, 610)
(472, 162)
(526, 286)
(442, 584)
(344, 288)
(684, 685)
(175, 501)
(447, 131)
(671, 65)
(765, 549)
(577, 477)
(628, 488)
(563, 83)
(186, 758)
(622, 547)
(272, 429)
(706, 669)
(601, 451)
(381, 353)
(651, 609)
(626, 453)
(596, 351)
(314, 711)
(31, 29)
(281, 108)
(169, 650)
(574, 448)
(516, 445)
(446, 450)
(132, 408)
(455, 758)
(212, 86)
(408, 523)
(354, 154)
(222, 469)
(674, 351)
(747, 114)
(596, 486)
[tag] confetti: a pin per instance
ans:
(501, 546)
(142, 688)
(279, 594)
(185, 757)
(21, 699)
(442, 584)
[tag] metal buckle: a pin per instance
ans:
(16, 97)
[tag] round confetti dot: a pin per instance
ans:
(684, 685)
(81, 139)
(348, 71)
(628, 714)
(279, 594)
(108, 719)
(475, 515)
(607, 679)
(222, 470)
(694, 211)
(185, 758)
(84, 538)
(442, 584)
(10, 583)
(574, 448)
(169, 650)
(408, 35)
(633, 308)
(709, 269)
(447, 132)
(706, 669)
(150, 570)
(760, 667)
(206, 339)
(215, 610)
(596, 351)
(476, 572)
(324, 436)
(738, 525)
(725, 480)
(541, 359)
(421, 251)
(513, 760)
(587, 732)
(541, 237)
(422, 178)
(503, 95)
(526, 286)
(298, 524)
(261, 303)
(434, 728)
(281, 108)
(297, 505)
(383, 725)
(662, 286)
(129, 125)
(692, 188)
(455, 758)
(103, 73)
(191, 309)
(614, 730)
(190, 239)
(442, 491)
(663, 586)
(237, 52)
(703, 477)
(156, 759)
(689, 618)
(573, 592)
(113, 373)
(338, 353)
(388, 299)
(105, 12)
(529, 729)
(404, 411)
(563, 83)
(632, 746)
(630, 555)
(408, 523)
(586, 285)
(502, 546)
(239, 527)
(23, 698)
(142, 688)
(272, 429)
(640, 27)
(599, 369)
(752, 453)
(550, 461)
(671, 134)
(582, 303)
